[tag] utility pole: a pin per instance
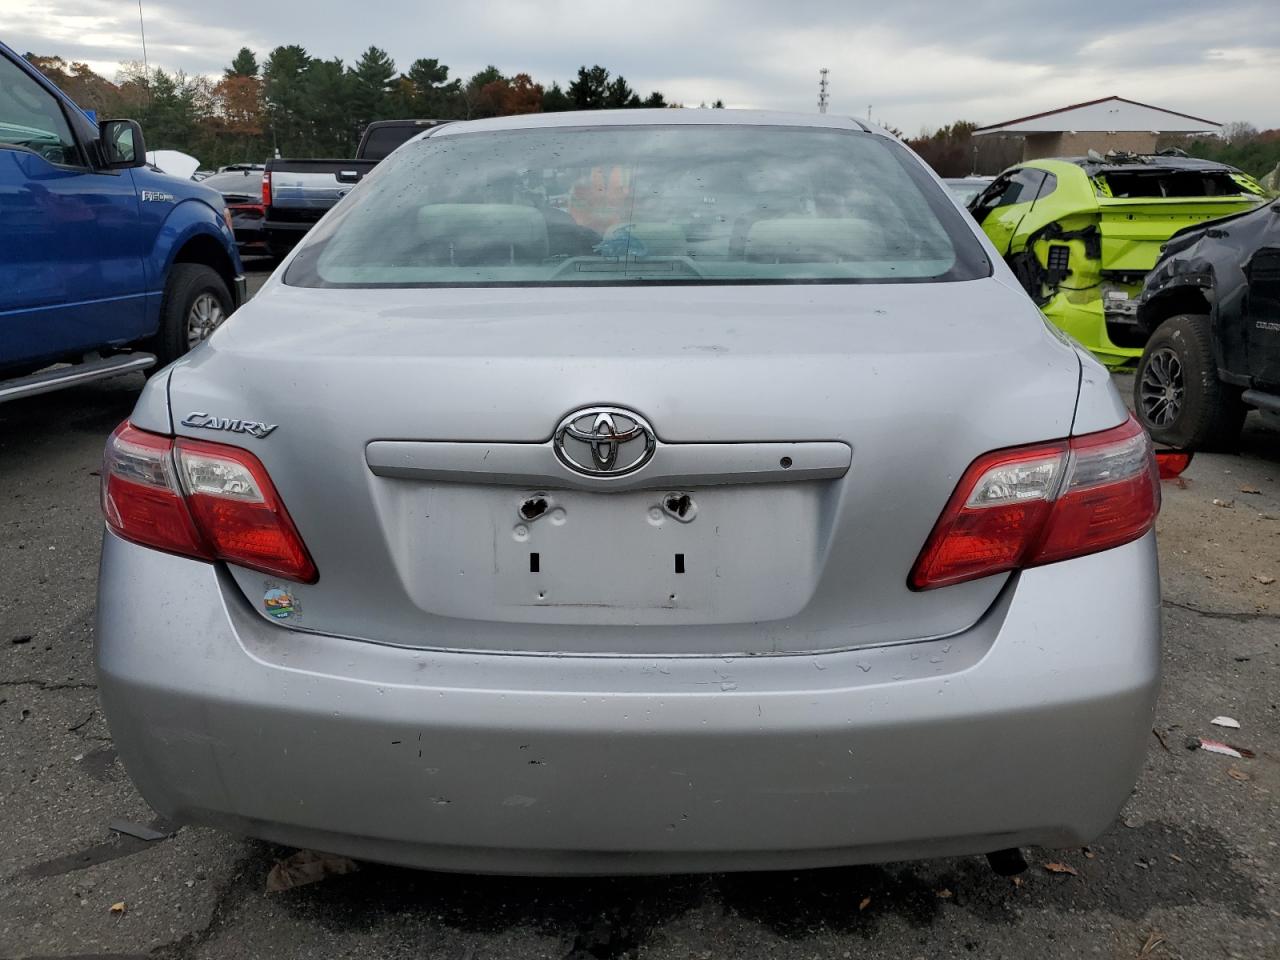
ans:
(822, 88)
(146, 74)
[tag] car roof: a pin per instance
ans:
(1121, 162)
(654, 117)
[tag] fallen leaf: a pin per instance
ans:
(1263, 579)
(1226, 722)
(1240, 775)
(306, 866)
(1056, 867)
(1089, 854)
(1248, 489)
(945, 894)
(866, 902)
(1153, 941)
(1223, 503)
(118, 907)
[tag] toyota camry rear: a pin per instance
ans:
(635, 492)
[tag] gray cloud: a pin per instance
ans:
(918, 63)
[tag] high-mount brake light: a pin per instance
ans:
(1038, 504)
(204, 500)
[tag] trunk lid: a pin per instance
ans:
(414, 432)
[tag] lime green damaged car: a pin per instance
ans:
(1081, 233)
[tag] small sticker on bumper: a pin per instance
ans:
(280, 604)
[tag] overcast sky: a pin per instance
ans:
(918, 63)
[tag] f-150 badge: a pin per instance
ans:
(255, 428)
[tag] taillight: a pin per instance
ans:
(204, 500)
(266, 188)
(1039, 504)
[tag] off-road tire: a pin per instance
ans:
(1199, 411)
(187, 284)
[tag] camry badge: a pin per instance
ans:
(254, 428)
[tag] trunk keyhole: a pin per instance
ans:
(535, 563)
(679, 563)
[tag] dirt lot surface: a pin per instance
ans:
(1189, 871)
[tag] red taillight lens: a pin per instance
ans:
(1040, 504)
(199, 499)
(140, 495)
(266, 189)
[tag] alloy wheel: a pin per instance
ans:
(203, 318)
(1162, 390)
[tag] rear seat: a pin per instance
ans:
(812, 240)
(470, 234)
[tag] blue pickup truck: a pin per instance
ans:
(107, 265)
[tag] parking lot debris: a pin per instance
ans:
(1153, 941)
(307, 866)
(1240, 775)
(119, 907)
(1249, 489)
(1223, 503)
(1160, 737)
(1217, 746)
(1055, 867)
(1226, 722)
(21, 639)
(141, 830)
(865, 902)
(1264, 579)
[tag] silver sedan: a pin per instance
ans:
(635, 492)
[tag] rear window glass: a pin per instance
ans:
(1171, 183)
(380, 141)
(630, 204)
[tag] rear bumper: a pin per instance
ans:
(1028, 728)
(289, 228)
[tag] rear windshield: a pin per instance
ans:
(636, 204)
(380, 141)
(1171, 183)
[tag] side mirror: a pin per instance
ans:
(122, 144)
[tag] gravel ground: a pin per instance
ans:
(1190, 870)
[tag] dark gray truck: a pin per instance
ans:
(297, 193)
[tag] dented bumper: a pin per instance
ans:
(1028, 728)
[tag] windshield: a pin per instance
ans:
(966, 190)
(657, 204)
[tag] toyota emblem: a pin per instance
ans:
(604, 441)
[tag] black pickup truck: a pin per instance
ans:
(297, 193)
(1212, 309)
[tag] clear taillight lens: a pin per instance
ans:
(1043, 503)
(204, 500)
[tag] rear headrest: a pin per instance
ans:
(812, 239)
(477, 226)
